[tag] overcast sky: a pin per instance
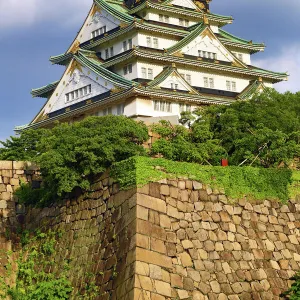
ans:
(33, 30)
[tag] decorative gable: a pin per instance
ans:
(169, 78)
(184, 3)
(98, 22)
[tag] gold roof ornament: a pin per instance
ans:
(205, 20)
(74, 66)
(173, 65)
(260, 79)
(75, 47)
(95, 9)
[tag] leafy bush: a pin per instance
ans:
(294, 292)
(238, 182)
(70, 155)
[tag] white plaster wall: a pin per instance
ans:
(68, 84)
(209, 45)
(214, 28)
(95, 22)
(173, 19)
(143, 107)
(184, 3)
(246, 56)
(117, 44)
(129, 76)
(268, 84)
(197, 76)
(163, 43)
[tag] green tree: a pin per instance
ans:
(194, 144)
(69, 155)
(264, 131)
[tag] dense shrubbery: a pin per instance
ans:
(264, 132)
(70, 155)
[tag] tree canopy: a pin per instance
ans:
(69, 155)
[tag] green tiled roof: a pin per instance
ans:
(118, 11)
(250, 90)
(182, 11)
(62, 59)
(186, 40)
(90, 60)
(45, 91)
(230, 37)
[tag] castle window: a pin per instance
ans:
(211, 83)
(149, 42)
(125, 46)
(130, 44)
(127, 69)
(206, 54)
(180, 22)
(77, 94)
(233, 85)
(205, 79)
(111, 51)
(155, 43)
(98, 32)
(120, 109)
(106, 54)
(228, 85)
(187, 23)
(162, 106)
(184, 107)
(166, 19)
(144, 73)
(176, 86)
(150, 74)
(161, 18)
(172, 86)
(240, 56)
(188, 78)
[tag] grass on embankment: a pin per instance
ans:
(237, 182)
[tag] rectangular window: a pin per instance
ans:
(150, 74)
(188, 78)
(162, 106)
(187, 23)
(205, 82)
(167, 19)
(130, 44)
(215, 55)
(106, 54)
(211, 83)
(228, 85)
(176, 86)
(161, 18)
(172, 86)
(125, 46)
(111, 51)
(181, 22)
(78, 93)
(144, 75)
(156, 105)
(125, 70)
(233, 85)
(155, 43)
(168, 107)
(129, 68)
(149, 42)
(120, 109)
(240, 56)
(98, 32)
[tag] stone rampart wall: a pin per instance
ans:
(173, 239)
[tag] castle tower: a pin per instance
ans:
(148, 59)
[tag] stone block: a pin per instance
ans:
(176, 281)
(3, 204)
(5, 165)
(165, 190)
(186, 260)
(182, 294)
(163, 288)
(152, 257)
(152, 203)
(142, 213)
